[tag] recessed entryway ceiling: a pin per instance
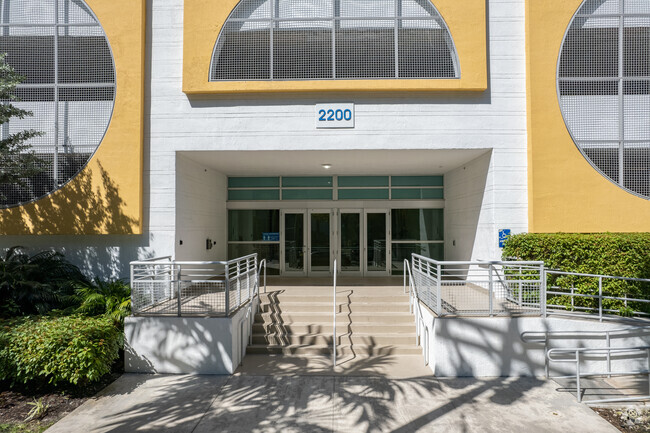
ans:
(342, 162)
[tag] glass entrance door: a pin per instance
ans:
(294, 246)
(358, 238)
(377, 254)
(320, 243)
(350, 241)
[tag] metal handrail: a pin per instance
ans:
(600, 297)
(529, 336)
(196, 262)
(235, 275)
(414, 299)
(262, 262)
(604, 351)
(475, 262)
(156, 259)
(334, 320)
(543, 337)
(611, 277)
(449, 272)
(256, 293)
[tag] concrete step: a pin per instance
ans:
(324, 339)
(344, 350)
(343, 318)
(270, 298)
(325, 328)
(316, 307)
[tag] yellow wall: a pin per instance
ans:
(204, 18)
(106, 197)
(566, 194)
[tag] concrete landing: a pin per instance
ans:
(242, 403)
(389, 366)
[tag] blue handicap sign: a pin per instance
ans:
(503, 235)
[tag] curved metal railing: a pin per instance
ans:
(580, 353)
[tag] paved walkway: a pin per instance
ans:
(321, 403)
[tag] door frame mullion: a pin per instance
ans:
(283, 252)
(358, 211)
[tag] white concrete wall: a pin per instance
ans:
(469, 212)
(494, 119)
(191, 345)
(492, 346)
(200, 211)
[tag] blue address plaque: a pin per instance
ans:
(338, 115)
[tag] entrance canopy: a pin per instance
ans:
(341, 162)
(301, 210)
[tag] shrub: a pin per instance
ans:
(70, 349)
(110, 298)
(618, 254)
(36, 284)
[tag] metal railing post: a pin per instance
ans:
(439, 290)
(178, 290)
(578, 376)
(254, 260)
(227, 290)
(647, 351)
(609, 355)
(542, 292)
(491, 289)
(521, 294)
(546, 360)
(238, 284)
(334, 321)
(600, 298)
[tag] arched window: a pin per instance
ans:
(604, 89)
(333, 39)
(63, 53)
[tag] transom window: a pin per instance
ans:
(604, 89)
(62, 51)
(334, 39)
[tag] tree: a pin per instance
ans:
(17, 162)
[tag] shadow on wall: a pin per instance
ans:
(197, 345)
(76, 209)
(80, 209)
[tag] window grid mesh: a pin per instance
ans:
(63, 53)
(333, 39)
(604, 89)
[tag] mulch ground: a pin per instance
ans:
(60, 400)
(627, 420)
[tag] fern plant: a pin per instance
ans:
(36, 284)
(110, 298)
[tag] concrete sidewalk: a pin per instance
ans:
(249, 403)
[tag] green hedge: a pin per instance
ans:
(619, 254)
(72, 349)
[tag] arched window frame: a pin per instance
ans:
(620, 159)
(397, 18)
(62, 89)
